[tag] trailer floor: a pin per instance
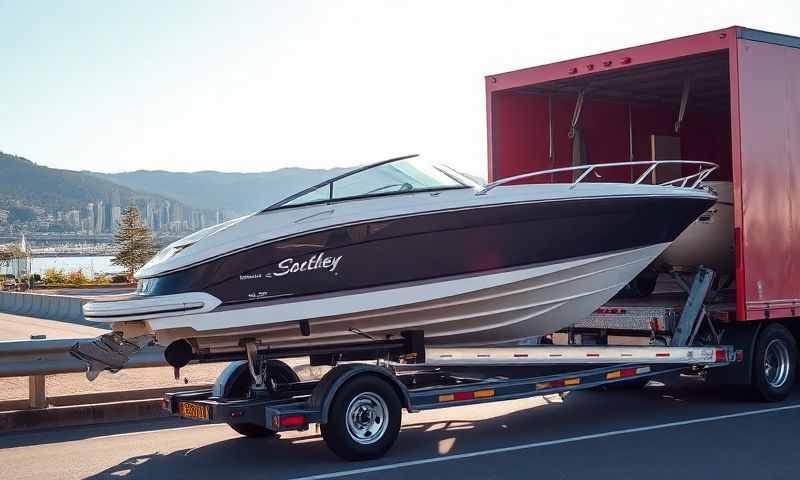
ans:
(656, 433)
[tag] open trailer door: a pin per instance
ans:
(768, 157)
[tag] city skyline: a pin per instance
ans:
(102, 216)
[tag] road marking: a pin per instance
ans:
(548, 443)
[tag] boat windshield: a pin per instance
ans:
(398, 175)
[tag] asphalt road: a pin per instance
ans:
(681, 430)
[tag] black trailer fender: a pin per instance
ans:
(322, 396)
(742, 337)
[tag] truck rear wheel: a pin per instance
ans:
(774, 363)
(364, 419)
(240, 388)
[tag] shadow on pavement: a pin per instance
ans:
(579, 413)
(71, 434)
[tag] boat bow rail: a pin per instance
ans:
(687, 181)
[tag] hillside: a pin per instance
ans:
(23, 182)
(238, 193)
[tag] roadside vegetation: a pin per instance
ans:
(53, 277)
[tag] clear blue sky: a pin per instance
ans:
(252, 86)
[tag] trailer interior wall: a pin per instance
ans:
(742, 113)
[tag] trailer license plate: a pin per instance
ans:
(191, 410)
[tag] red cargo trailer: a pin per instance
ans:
(729, 96)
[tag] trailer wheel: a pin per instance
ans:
(364, 419)
(774, 363)
(240, 388)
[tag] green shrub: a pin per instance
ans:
(53, 276)
(77, 277)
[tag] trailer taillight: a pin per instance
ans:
(292, 421)
(720, 355)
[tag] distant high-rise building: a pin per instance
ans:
(196, 220)
(116, 216)
(219, 217)
(165, 217)
(89, 226)
(150, 214)
(99, 217)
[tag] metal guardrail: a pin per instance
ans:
(48, 357)
(36, 358)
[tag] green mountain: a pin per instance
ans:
(235, 193)
(26, 184)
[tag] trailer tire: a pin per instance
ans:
(240, 388)
(364, 419)
(774, 363)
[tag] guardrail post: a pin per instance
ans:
(37, 393)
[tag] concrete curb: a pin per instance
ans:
(51, 307)
(100, 397)
(21, 420)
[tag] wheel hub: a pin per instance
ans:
(366, 418)
(776, 363)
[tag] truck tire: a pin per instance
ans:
(364, 419)
(774, 363)
(240, 388)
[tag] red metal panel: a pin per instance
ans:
(653, 52)
(769, 117)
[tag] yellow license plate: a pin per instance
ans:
(191, 410)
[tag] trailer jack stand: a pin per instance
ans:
(257, 368)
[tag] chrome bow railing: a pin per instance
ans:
(704, 170)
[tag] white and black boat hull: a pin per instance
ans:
(491, 308)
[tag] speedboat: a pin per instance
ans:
(708, 241)
(407, 244)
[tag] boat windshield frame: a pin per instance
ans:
(460, 179)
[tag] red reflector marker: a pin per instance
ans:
(662, 354)
(627, 372)
(463, 396)
(720, 356)
(292, 421)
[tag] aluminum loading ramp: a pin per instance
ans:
(554, 354)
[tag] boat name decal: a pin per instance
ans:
(288, 265)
